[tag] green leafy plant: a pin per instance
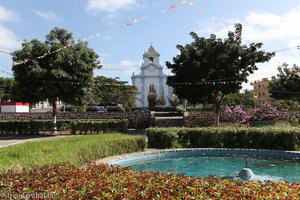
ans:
(113, 182)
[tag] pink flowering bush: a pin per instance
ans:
(237, 114)
(263, 113)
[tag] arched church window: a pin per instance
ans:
(152, 88)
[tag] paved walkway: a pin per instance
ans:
(6, 141)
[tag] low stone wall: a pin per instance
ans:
(193, 119)
(136, 119)
(205, 118)
(168, 122)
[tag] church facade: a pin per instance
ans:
(151, 80)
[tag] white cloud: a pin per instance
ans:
(48, 16)
(7, 15)
(8, 40)
(268, 26)
(109, 5)
(271, 29)
(275, 31)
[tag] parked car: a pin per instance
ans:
(96, 108)
(99, 107)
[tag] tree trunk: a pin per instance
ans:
(217, 113)
(218, 98)
(54, 115)
(184, 105)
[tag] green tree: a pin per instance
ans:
(286, 86)
(58, 69)
(288, 105)
(111, 91)
(153, 99)
(6, 85)
(245, 100)
(208, 69)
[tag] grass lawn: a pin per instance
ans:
(75, 150)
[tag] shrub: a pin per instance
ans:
(263, 113)
(114, 182)
(40, 126)
(237, 114)
(96, 127)
(23, 127)
(230, 137)
(162, 137)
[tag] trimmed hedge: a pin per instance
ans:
(30, 127)
(39, 126)
(225, 137)
(96, 127)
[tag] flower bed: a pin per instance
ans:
(104, 182)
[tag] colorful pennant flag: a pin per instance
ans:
(55, 51)
(164, 11)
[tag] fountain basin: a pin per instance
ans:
(265, 164)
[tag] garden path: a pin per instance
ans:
(6, 141)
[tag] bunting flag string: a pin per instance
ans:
(202, 11)
(206, 83)
(202, 82)
(55, 51)
(164, 11)
(74, 83)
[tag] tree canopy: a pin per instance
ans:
(66, 74)
(286, 86)
(58, 69)
(111, 91)
(245, 100)
(210, 68)
(6, 85)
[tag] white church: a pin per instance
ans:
(151, 79)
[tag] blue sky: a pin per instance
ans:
(164, 23)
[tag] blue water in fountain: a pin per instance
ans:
(221, 166)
